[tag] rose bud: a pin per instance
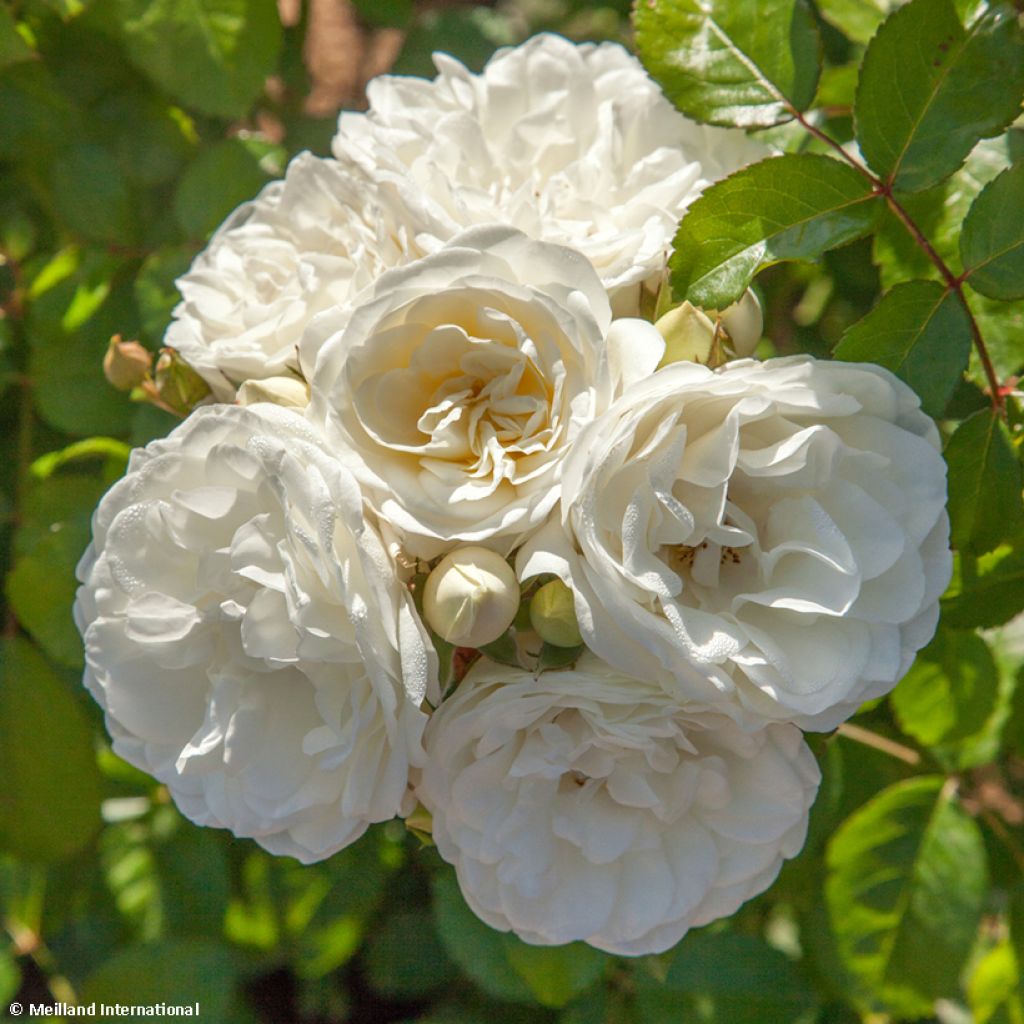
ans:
(178, 386)
(688, 333)
(471, 597)
(126, 363)
(553, 615)
(743, 323)
(289, 392)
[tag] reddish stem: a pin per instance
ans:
(954, 283)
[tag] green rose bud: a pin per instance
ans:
(553, 615)
(178, 386)
(689, 334)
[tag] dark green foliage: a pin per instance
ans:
(785, 208)
(129, 129)
(929, 89)
(744, 62)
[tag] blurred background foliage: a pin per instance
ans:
(128, 130)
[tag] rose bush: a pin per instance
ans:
(589, 805)
(456, 387)
(248, 637)
(571, 143)
(780, 527)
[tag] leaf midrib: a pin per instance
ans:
(942, 799)
(789, 227)
(940, 81)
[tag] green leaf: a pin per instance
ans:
(35, 118)
(994, 990)
(92, 195)
(182, 973)
(906, 885)
(1015, 918)
(750, 63)
(929, 90)
(218, 180)
(404, 959)
(920, 331)
(192, 853)
(553, 657)
(150, 139)
(10, 977)
(791, 207)
(470, 34)
(13, 47)
(155, 293)
(744, 979)
(939, 212)
(555, 974)
(46, 761)
(950, 691)
(212, 55)
(858, 20)
(327, 907)
(476, 947)
(985, 506)
(386, 13)
(41, 591)
(985, 591)
(1002, 326)
(71, 393)
(992, 243)
(504, 650)
(51, 506)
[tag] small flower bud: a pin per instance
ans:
(553, 615)
(178, 386)
(420, 822)
(290, 392)
(126, 363)
(743, 322)
(471, 597)
(688, 334)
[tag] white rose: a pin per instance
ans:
(460, 382)
(248, 637)
(304, 244)
(571, 143)
(587, 805)
(774, 532)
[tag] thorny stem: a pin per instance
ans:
(953, 283)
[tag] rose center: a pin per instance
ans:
(497, 408)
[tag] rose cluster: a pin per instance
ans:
(462, 532)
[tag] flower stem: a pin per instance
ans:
(882, 743)
(953, 283)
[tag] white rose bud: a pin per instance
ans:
(688, 333)
(471, 597)
(743, 322)
(553, 615)
(289, 392)
(126, 364)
